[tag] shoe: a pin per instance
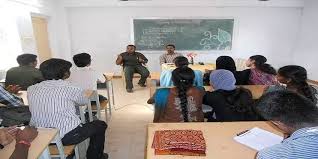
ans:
(129, 90)
(142, 85)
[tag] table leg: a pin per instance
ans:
(108, 96)
(90, 113)
(82, 116)
(45, 154)
(113, 94)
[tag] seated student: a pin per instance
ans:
(182, 103)
(23, 139)
(261, 72)
(14, 112)
(170, 55)
(52, 104)
(295, 79)
(298, 118)
(133, 62)
(229, 103)
(180, 61)
(84, 76)
(227, 63)
(25, 74)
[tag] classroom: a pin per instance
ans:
(158, 79)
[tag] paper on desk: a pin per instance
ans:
(258, 139)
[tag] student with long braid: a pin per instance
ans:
(182, 103)
(294, 78)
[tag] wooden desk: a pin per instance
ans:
(199, 67)
(218, 137)
(256, 90)
(38, 146)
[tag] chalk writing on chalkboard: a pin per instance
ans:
(186, 34)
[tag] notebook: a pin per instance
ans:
(258, 139)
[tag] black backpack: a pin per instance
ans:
(15, 115)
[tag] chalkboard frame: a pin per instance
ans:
(234, 34)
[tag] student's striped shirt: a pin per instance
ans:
(302, 144)
(52, 104)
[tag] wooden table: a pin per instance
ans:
(218, 137)
(256, 90)
(38, 147)
(199, 67)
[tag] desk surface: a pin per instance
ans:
(39, 144)
(218, 137)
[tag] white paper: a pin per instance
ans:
(258, 139)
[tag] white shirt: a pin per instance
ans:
(52, 104)
(85, 77)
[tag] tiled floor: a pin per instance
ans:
(126, 133)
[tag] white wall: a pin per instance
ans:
(105, 31)
(306, 52)
(17, 30)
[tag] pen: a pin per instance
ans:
(243, 132)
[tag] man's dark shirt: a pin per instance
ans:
(132, 59)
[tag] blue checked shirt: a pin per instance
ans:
(9, 99)
(302, 144)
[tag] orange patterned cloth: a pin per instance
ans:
(179, 142)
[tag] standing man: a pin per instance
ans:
(132, 62)
(170, 55)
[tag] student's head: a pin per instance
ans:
(170, 48)
(27, 60)
(289, 111)
(259, 62)
(55, 69)
(82, 59)
(130, 48)
(181, 61)
(183, 79)
(222, 80)
(226, 63)
(295, 77)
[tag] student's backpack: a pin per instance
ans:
(15, 115)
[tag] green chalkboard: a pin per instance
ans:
(186, 34)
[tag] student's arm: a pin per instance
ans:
(23, 142)
(81, 96)
(9, 99)
(119, 60)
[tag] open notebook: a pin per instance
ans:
(258, 139)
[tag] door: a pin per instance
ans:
(42, 38)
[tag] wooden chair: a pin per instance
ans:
(58, 150)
